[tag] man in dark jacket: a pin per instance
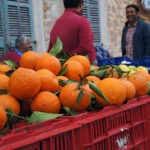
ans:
(135, 35)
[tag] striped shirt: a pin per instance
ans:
(129, 41)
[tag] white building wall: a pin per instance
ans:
(38, 24)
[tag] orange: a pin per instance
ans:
(69, 94)
(140, 84)
(113, 90)
(4, 68)
(87, 88)
(41, 54)
(46, 102)
(48, 80)
(92, 78)
(4, 81)
(49, 62)
(84, 61)
(145, 75)
(28, 60)
(74, 69)
(24, 83)
(8, 101)
(129, 87)
(3, 118)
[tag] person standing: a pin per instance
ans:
(22, 44)
(74, 31)
(135, 35)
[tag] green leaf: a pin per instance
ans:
(57, 92)
(68, 111)
(94, 105)
(80, 95)
(118, 69)
(37, 116)
(63, 83)
(99, 73)
(10, 63)
(92, 68)
(12, 114)
(10, 111)
(57, 47)
(98, 92)
(63, 71)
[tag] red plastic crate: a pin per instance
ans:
(56, 134)
(78, 117)
(106, 129)
(65, 138)
(147, 115)
(102, 130)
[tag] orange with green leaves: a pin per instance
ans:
(75, 97)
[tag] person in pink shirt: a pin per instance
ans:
(74, 31)
(22, 44)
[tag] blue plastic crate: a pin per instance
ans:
(119, 60)
(105, 61)
(145, 61)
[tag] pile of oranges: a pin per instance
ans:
(36, 83)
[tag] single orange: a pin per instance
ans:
(28, 60)
(129, 87)
(84, 61)
(3, 118)
(48, 80)
(24, 83)
(4, 68)
(4, 80)
(74, 69)
(140, 84)
(92, 78)
(113, 90)
(145, 75)
(8, 101)
(69, 94)
(46, 102)
(49, 62)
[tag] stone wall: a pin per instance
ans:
(52, 10)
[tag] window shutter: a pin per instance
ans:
(91, 11)
(19, 20)
(1, 31)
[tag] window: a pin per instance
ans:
(91, 11)
(15, 18)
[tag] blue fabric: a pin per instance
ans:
(18, 51)
(141, 40)
(101, 53)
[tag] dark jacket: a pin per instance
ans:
(141, 40)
